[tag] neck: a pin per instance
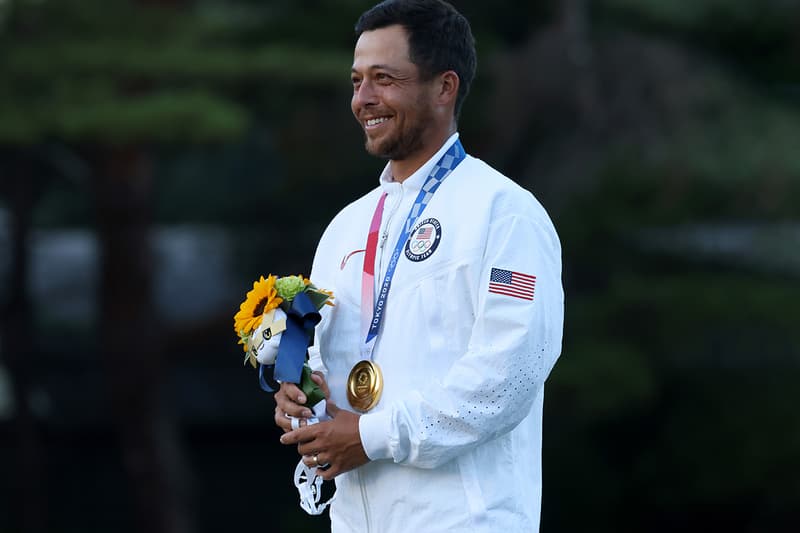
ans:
(403, 168)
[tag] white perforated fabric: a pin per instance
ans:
(455, 441)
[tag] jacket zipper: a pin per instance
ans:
(385, 237)
(378, 280)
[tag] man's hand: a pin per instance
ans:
(289, 402)
(335, 442)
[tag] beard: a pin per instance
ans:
(399, 146)
(404, 142)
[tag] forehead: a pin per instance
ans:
(384, 47)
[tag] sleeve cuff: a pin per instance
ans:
(374, 431)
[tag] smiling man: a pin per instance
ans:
(403, 111)
(449, 306)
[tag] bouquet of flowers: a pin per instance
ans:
(275, 325)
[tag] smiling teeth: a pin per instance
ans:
(374, 121)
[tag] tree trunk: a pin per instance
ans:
(16, 350)
(130, 343)
(574, 20)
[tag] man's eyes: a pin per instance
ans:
(380, 78)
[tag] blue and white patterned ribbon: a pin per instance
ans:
(446, 164)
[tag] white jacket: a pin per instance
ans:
(455, 442)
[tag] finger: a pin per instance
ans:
(315, 460)
(282, 420)
(286, 422)
(287, 399)
(318, 378)
(290, 407)
(299, 436)
(297, 423)
(308, 448)
(332, 409)
(292, 392)
(328, 473)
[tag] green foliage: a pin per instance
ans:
(226, 183)
(678, 362)
(173, 62)
(737, 137)
(694, 13)
(601, 379)
(734, 156)
(672, 405)
(119, 73)
(163, 116)
(675, 392)
(758, 34)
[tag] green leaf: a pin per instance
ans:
(312, 391)
(318, 298)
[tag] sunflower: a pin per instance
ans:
(261, 299)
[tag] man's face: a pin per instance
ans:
(389, 101)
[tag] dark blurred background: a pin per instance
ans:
(157, 156)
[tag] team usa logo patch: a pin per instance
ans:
(424, 240)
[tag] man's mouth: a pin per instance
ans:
(374, 122)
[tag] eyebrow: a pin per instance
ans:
(378, 67)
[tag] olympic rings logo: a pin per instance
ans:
(419, 246)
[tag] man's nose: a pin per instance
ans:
(365, 94)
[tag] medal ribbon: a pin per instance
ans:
(368, 273)
(371, 326)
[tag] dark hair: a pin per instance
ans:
(439, 38)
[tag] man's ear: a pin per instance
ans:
(448, 87)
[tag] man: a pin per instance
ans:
(459, 270)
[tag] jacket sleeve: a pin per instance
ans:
(322, 277)
(490, 389)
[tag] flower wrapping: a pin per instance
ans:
(275, 325)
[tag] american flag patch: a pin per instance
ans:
(425, 233)
(510, 283)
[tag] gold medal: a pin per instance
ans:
(364, 386)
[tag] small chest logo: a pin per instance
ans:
(424, 240)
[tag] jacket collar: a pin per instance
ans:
(416, 180)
